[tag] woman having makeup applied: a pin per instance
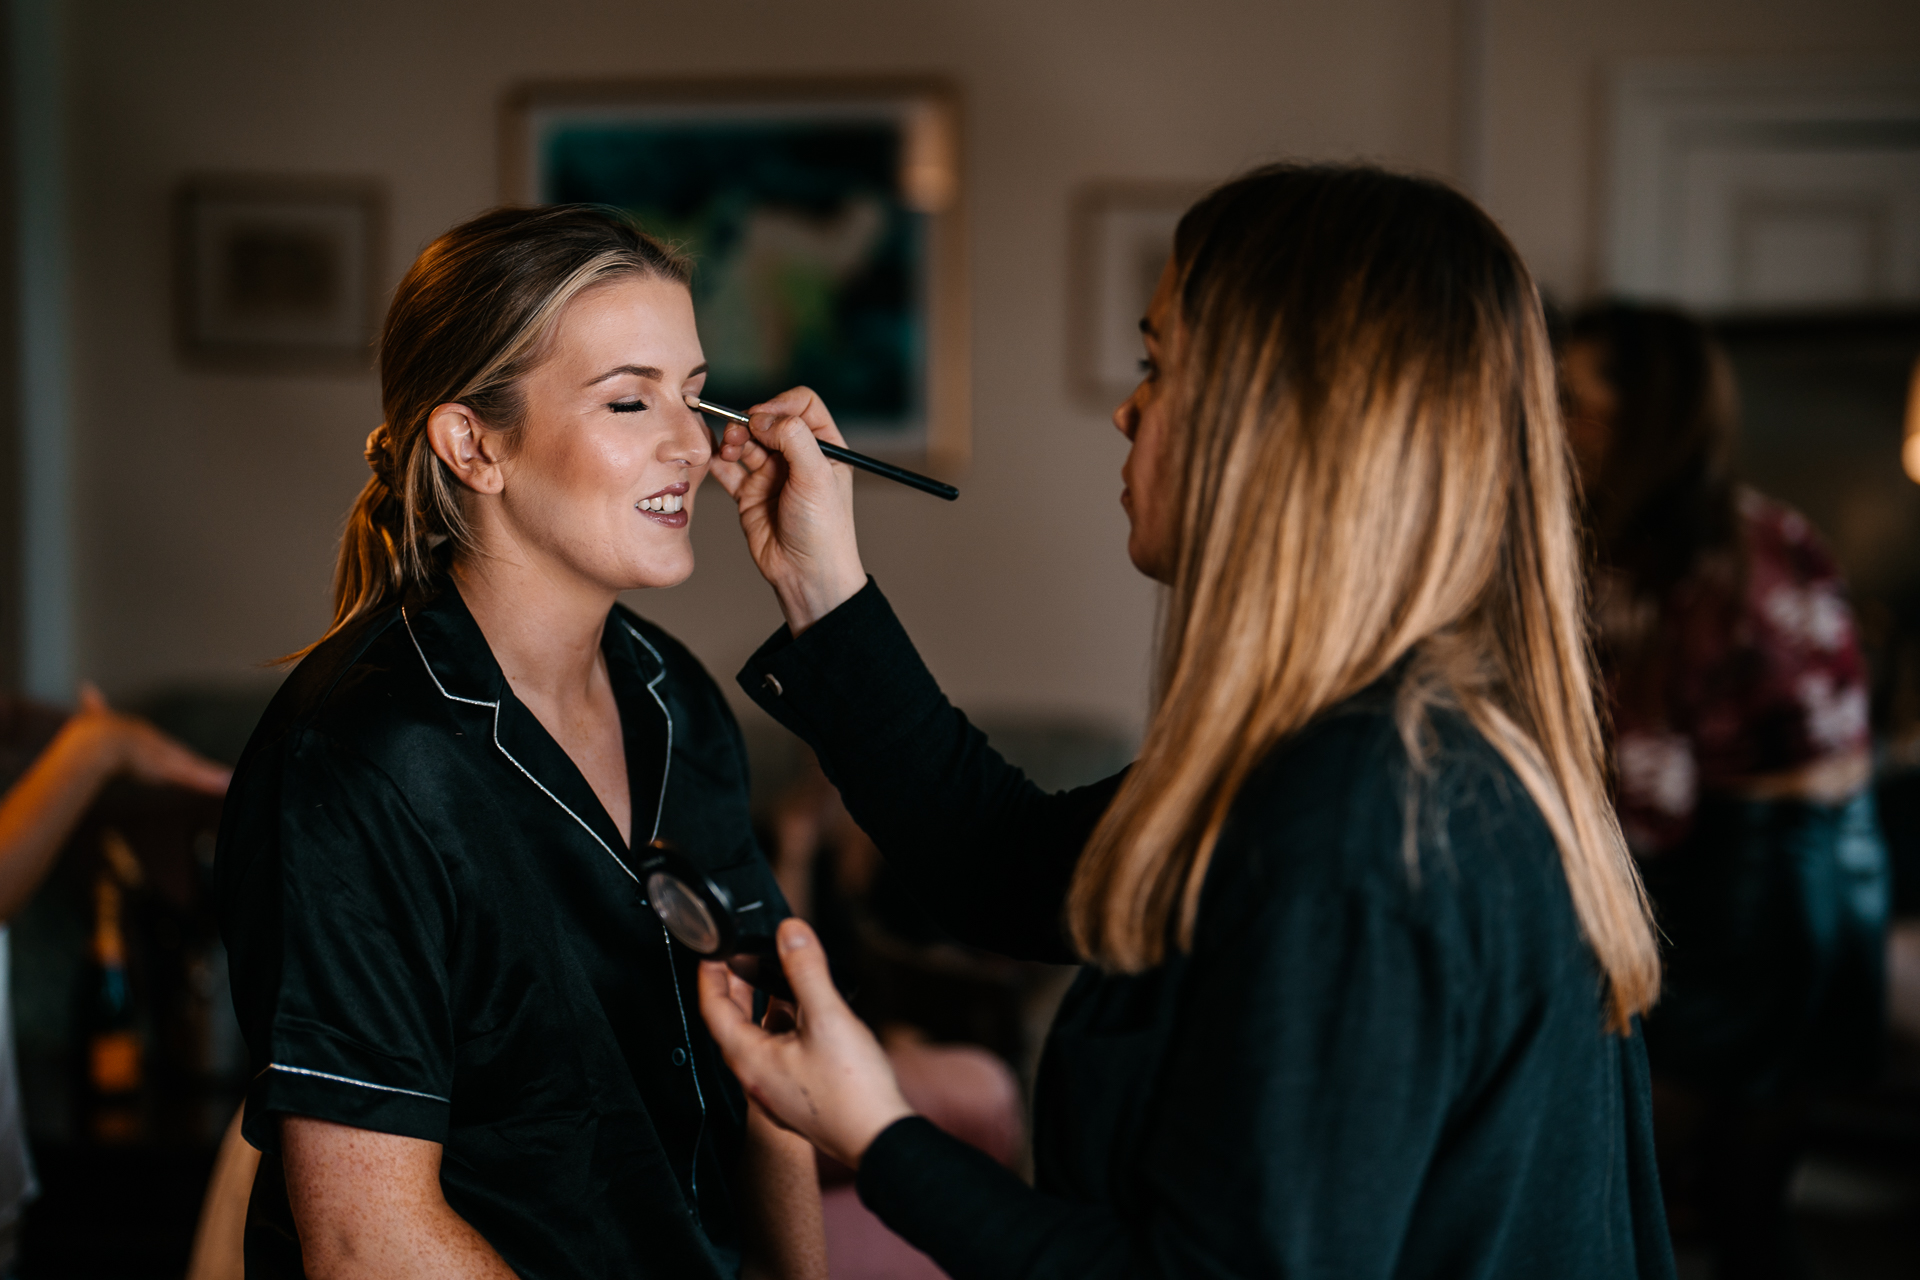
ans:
(1365, 953)
(476, 1052)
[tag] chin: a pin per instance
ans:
(1147, 563)
(1154, 569)
(656, 576)
(647, 568)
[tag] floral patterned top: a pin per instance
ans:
(1749, 666)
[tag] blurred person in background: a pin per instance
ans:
(53, 768)
(1739, 705)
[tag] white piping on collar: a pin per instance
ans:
(431, 674)
(476, 702)
(653, 687)
(556, 799)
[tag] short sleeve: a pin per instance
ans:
(339, 944)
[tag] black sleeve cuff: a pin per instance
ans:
(979, 1222)
(952, 1202)
(850, 685)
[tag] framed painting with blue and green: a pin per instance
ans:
(824, 222)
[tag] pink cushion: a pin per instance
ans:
(859, 1246)
(965, 1090)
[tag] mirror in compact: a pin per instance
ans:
(702, 917)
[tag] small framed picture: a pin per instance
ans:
(279, 273)
(823, 218)
(1122, 239)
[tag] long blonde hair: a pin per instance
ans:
(473, 315)
(1369, 466)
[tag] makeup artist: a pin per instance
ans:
(474, 1048)
(1365, 950)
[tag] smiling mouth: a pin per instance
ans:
(669, 501)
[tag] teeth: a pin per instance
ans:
(666, 504)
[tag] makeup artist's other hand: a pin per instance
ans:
(795, 506)
(827, 1078)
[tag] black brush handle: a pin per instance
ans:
(899, 475)
(911, 479)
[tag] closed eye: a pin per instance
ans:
(627, 406)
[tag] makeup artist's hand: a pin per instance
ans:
(826, 1078)
(796, 507)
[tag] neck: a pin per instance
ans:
(544, 628)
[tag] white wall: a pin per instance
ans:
(1547, 62)
(207, 505)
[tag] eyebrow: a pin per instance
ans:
(641, 371)
(1146, 327)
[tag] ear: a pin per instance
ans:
(471, 452)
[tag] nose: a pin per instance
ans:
(689, 441)
(1126, 418)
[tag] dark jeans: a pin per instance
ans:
(1775, 917)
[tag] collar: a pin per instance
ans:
(463, 669)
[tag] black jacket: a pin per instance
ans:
(436, 931)
(1362, 1069)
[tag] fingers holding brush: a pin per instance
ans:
(801, 533)
(808, 408)
(796, 507)
(737, 444)
(750, 444)
(806, 474)
(735, 458)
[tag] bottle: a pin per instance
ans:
(112, 1038)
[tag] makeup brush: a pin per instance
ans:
(912, 479)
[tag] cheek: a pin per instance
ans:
(1141, 463)
(584, 465)
(1145, 464)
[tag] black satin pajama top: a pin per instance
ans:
(436, 931)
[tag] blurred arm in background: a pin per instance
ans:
(95, 746)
